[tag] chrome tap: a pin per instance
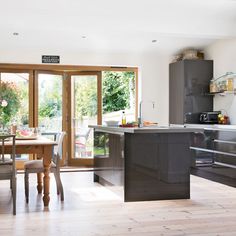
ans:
(140, 120)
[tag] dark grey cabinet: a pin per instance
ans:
(218, 155)
(188, 87)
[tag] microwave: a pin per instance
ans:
(209, 117)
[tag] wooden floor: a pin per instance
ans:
(90, 209)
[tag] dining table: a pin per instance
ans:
(44, 149)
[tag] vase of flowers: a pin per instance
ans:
(9, 102)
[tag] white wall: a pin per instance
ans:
(223, 52)
(153, 73)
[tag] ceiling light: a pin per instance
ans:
(15, 33)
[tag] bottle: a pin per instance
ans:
(123, 119)
(13, 128)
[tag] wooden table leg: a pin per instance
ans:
(40, 179)
(40, 182)
(47, 157)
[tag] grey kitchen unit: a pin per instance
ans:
(219, 145)
(188, 90)
(149, 163)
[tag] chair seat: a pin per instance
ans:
(36, 164)
(5, 169)
(6, 161)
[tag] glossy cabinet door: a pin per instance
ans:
(157, 166)
(109, 158)
(188, 84)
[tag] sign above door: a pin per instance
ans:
(50, 59)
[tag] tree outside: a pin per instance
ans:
(50, 102)
(118, 91)
(10, 102)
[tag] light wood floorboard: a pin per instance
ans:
(93, 210)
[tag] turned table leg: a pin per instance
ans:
(40, 182)
(47, 157)
(40, 179)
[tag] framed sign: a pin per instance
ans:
(50, 59)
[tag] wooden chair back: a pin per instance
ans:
(7, 156)
(58, 149)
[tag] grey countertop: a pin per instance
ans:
(150, 129)
(173, 128)
(208, 126)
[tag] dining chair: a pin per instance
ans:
(7, 164)
(81, 141)
(36, 166)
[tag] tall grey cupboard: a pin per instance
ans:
(189, 90)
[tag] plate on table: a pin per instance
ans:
(26, 138)
(25, 135)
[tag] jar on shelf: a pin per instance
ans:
(222, 86)
(213, 87)
(230, 84)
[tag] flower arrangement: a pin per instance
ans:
(9, 102)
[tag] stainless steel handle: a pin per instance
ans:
(224, 164)
(213, 151)
(224, 141)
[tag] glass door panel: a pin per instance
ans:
(16, 94)
(84, 100)
(118, 95)
(49, 102)
(49, 105)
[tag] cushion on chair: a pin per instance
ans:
(36, 164)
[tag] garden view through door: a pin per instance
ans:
(49, 102)
(15, 92)
(84, 97)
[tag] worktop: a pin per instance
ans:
(147, 129)
(207, 126)
(176, 128)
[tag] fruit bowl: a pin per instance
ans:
(113, 123)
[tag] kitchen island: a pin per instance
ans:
(150, 163)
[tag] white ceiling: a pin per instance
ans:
(109, 25)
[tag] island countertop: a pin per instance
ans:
(149, 129)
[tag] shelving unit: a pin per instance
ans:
(222, 85)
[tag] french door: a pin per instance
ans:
(19, 84)
(49, 104)
(65, 98)
(85, 109)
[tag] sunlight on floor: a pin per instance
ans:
(96, 194)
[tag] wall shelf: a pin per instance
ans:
(221, 93)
